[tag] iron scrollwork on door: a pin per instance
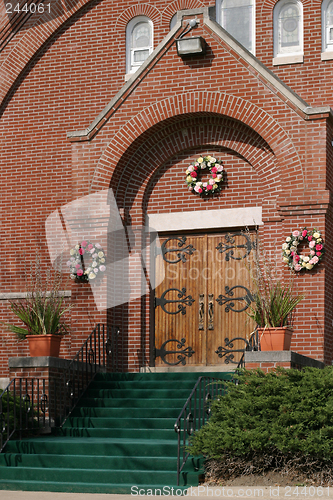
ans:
(228, 350)
(230, 300)
(182, 301)
(229, 246)
(210, 311)
(201, 311)
(180, 252)
(182, 354)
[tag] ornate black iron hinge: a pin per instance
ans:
(228, 351)
(230, 246)
(231, 300)
(182, 301)
(182, 354)
(180, 254)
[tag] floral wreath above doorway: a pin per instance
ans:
(299, 262)
(76, 265)
(213, 185)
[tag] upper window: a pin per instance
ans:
(288, 28)
(237, 17)
(173, 21)
(139, 42)
(327, 25)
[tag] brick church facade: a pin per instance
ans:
(85, 109)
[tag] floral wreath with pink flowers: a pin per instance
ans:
(213, 185)
(77, 265)
(299, 262)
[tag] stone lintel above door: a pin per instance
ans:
(223, 218)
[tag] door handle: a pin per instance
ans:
(211, 311)
(201, 310)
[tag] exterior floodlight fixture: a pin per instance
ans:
(195, 45)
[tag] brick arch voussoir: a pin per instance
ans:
(309, 3)
(268, 5)
(32, 41)
(177, 5)
(144, 9)
(260, 164)
(130, 192)
(158, 134)
(209, 102)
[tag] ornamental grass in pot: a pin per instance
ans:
(274, 305)
(42, 312)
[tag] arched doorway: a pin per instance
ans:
(149, 183)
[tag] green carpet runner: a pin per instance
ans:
(120, 439)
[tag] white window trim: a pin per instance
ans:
(219, 20)
(286, 57)
(327, 49)
(129, 28)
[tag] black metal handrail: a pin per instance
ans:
(98, 353)
(23, 408)
(34, 404)
(196, 411)
(253, 344)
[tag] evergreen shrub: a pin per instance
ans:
(14, 413)
(282, 420)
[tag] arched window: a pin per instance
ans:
(327, 25)
(237, 17)
(288, 28)
(173, 21)
(139, 42)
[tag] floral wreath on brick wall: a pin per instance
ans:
(76, 264)
(297, 261)
(213, 185)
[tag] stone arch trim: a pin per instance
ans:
(199, 103)
(23, 50)
(144, 9)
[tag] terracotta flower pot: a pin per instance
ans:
(275, 339)
(44, 345)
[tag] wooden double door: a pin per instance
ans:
(201, 304)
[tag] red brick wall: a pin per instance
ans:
(310, 79)
(273, 157)
(268, 367)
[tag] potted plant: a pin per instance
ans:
(42, 312)
(273, 307)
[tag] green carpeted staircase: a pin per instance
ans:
(120, 439)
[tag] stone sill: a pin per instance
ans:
(327, 56)
(128, 76)
(292, 59)
(281, 357)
